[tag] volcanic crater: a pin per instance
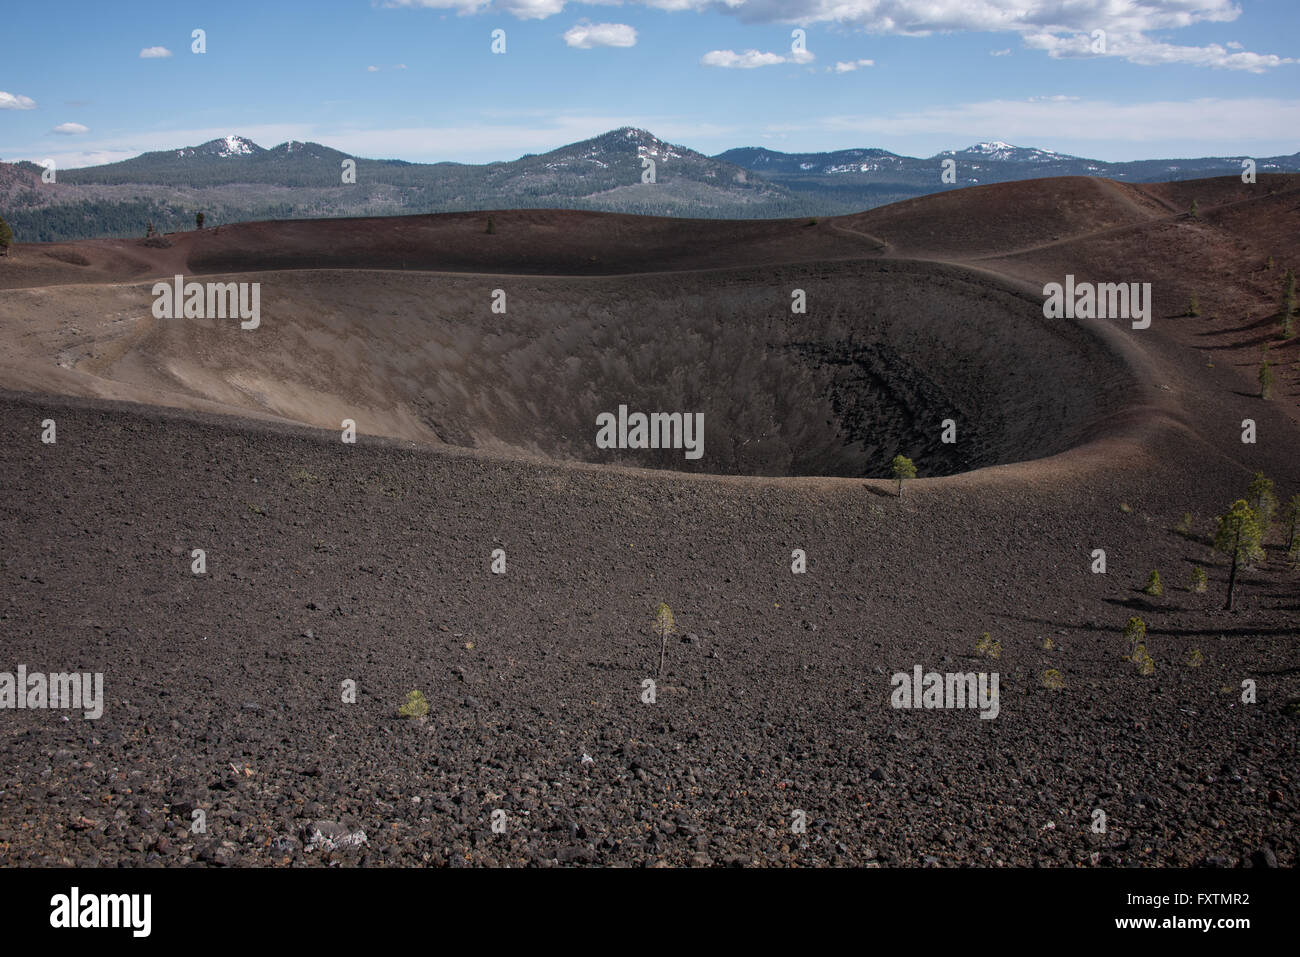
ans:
(884, 354)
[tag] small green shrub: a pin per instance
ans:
(1291, 522)
(1194, 306)
(1154, 587)
(1288, 304)
(1195, 659)
(1199, 580)
(1052, 679)
(664, 625)
(1262, 499)
(1135, 633)
(417, 706)
(988, 646)
(904, 469)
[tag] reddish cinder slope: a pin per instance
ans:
(981, 220)
(537, 242)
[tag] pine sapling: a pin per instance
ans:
(664, 625)
(1238, 536)
(903, 469)
(417, 706)
(1288, 304)
(1135, 633)
(1291, 522)
(1261, 498)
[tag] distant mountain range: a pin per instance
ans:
(858, 176)
(233, 179)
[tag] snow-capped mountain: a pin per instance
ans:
(1000, 152)
(224, 148)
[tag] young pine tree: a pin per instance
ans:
(1238, 537)
(6, 237)
(1291, 522)
(1260, 497)
(416, 706)
(1135, 636)
(198, 220)
(1265, 380)
(1288, 304)
(903, 469)
(1154, 587)
(664, 625)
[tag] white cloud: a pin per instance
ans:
(584, 36)
(851, 65)
(522, 9)
(372, 69)
(155, 53)
(1136, 48)
(1006, 52)
(400, 66)
(16, 101)
(1062, 28)
(1230, 127)
(740, 61)
(1215, 56)
(70, 129)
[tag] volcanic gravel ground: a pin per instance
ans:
(370, 562)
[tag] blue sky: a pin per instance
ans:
(417, 80)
